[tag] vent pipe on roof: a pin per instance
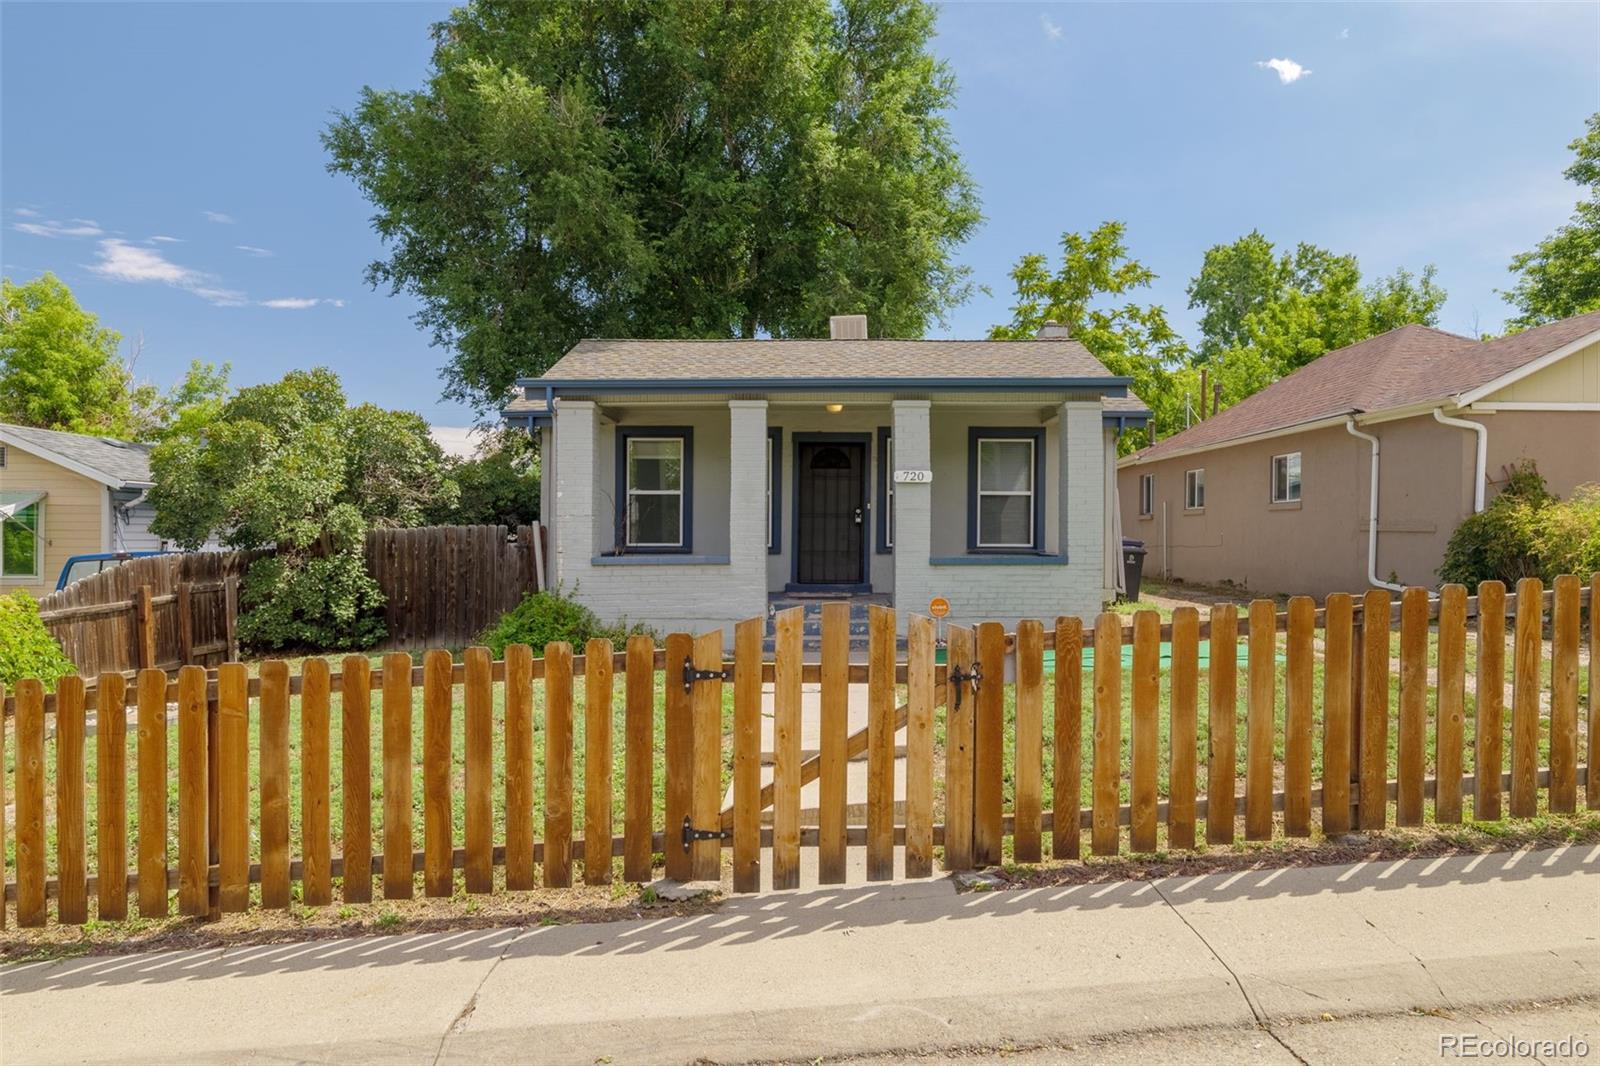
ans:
(847, 327)
(1053, 331)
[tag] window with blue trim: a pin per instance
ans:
(655, 477)
(1005, 490)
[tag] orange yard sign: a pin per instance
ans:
(938, 606)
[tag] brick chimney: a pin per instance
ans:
(847, 327)
(1053, 331)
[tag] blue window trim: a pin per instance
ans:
(627, 433)
(1036, 435)
(797, 440)
(884, 483)
(775, 474)
(1001, 558)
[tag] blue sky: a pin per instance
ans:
(164, 160)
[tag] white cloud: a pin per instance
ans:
(218, 216)
(1287, 69)
(24, 212)
(1344, 34)
(299, 303)
(462, 442)
(73, 227)
(1051, 29)
(121, 261)
(259, 253)
(159, 239)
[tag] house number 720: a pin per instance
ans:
(913, 477)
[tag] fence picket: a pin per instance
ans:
(152, 756)
(678, 759)
(919, 746)
(639, 756)
(1182, 737)
(959, 714)
(1144, 731)
(398, 882)
(275, 784)
(1338, 637)
(30, 804)
(1451, 703)
(705, 806)
(834, 725)
(1373, 809)
(747, 755)
(880, 743)
(1262, 683)
(1107, 733)
(1066, 800)
(72, 869)
(598, 693)
(519, 767)
(111, 797)
(1564, 696)
(478, 739)
(3, 878)
(316, 887)
(1298, 662)
(192, 794)
(787, 627)
(558, 765)
(1489, 700)
(1028, 776)
(438, 837)
(989, 747)
(355, 705)
(1525, 686)
(1222, 754)
(1413, 724)
(233, 787)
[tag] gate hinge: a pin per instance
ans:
(691, 834)
(961, 679)
(691, 675)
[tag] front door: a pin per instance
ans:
(830, 512)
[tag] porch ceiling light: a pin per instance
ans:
(835, 408)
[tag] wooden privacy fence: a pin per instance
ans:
(1366, 724)
(444, 585)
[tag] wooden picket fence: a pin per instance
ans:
(215, 808)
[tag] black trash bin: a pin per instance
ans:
(1133, 553)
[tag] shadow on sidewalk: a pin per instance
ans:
(755, 919)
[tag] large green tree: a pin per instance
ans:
(59, 369)
(669, 168)
(1561, 277)
(290, 467)
(1090, 293)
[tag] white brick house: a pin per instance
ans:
(688, 484)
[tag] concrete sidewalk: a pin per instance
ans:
(860, 970)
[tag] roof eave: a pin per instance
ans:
(1532, 366)
(1110, 385)
(110, 481)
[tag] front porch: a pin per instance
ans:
(857, 606)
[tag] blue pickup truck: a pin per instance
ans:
(79, 567)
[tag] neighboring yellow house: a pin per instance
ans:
(66, 494)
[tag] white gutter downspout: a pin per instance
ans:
(1372, 513)
(1480, 468)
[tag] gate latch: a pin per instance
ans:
(691, 834)
(691, 675)
(961, 679)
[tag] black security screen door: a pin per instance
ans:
(831, 516)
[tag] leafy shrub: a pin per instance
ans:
(549, 616)
(26, 648)
(1526, 532)
(315, 602)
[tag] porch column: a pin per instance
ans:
(571, 519)
(747, 507)
(913, 508)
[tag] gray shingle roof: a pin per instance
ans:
(803, 360)
(116, 460)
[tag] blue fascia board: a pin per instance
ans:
(1108, 385)
(1000, 559)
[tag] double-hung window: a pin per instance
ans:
(20, 544)
(1286, 478)
(1194, 490)
(1147, 495)
(1007, 490)
(655, 475)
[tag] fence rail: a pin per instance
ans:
(1289, 714)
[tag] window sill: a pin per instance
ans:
(659, 559)
(1000, 559)
(1194, 510)
(1147, 517)
(1284, 505)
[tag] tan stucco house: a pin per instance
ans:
(1354, 470)
(67, 494)
(690, 484)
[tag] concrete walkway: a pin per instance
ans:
(903, 968)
